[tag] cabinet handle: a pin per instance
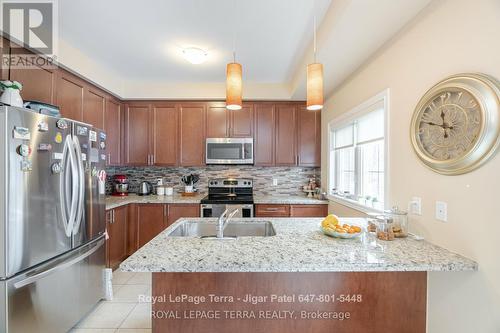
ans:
(297, 159)
(109, 158)
(165, 210)
(272, 209)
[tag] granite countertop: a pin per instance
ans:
(298, 246)
(289, 200)
(114, 202)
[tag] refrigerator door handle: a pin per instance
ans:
(38, 276)
(81, 185)
(68, 213)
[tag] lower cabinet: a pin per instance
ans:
(262, 210)
(150, 221)
(308, 210)
(176, 211)
(116, 245)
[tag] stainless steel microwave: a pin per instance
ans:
(229, 151)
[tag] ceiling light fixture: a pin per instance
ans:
(195, 55)
(234, 77)
(314, 78)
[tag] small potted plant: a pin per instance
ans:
(11, 93)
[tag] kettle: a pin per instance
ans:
(145, 188)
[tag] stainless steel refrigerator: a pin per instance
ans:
(52, 221)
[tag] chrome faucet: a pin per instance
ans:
(223, 221)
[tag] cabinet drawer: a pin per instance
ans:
(272, 210)
(308, 210)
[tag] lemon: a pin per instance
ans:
(330, 221)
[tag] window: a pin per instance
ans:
(357, 155)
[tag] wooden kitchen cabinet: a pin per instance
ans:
(262, 210)
(150, 221)
(4, 54)
(176, 211)
(94, 103)
(286, 133)
(217, 120)
(137, 134)
(69, 95)
(224, 123)
(38, 83)
(192, 118)
(116, 245)
(308, 210)
(309, 137)
(165, 125)
(264, 128)
(113, 128)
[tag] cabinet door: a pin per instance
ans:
(217, 121)
(150, 222)
(286, 147)
(165, 129)
(192, 135)
(38, 83)
(264, 134)
(176, 211)
(113, 129)
(117, 232)
(308, 210)
(93, 108)
(241, 124)
(272, 210)
(309, 137)
(137, 119)
(69, 95)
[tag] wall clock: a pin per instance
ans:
(456, 125)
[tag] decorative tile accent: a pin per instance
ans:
(290, 179)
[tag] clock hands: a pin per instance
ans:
(445, 126)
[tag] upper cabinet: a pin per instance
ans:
(286, 135)
(69, 95)
(165, 123)
(264, 130)
(224, 123)
(192, 119)
(38, 83)
(309, 137)
(93, 107)
(137, 134)
(113, 128)
(4, 54)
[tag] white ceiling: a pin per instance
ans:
(139, 43)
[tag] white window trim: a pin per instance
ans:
(346, 118)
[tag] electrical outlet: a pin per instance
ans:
(442, 211)
(415, 206)
(275, 181)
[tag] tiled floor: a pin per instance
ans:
(127, 312)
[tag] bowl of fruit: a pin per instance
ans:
(331, 226)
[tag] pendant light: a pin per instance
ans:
(234, 77)
(314, 79)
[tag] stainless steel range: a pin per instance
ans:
(230, 194)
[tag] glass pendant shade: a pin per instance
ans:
(233, 86)
(315, 86)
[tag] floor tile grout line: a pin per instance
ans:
(120, 326)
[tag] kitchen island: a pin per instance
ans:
(296, 281)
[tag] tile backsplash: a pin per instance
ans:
(290, 179)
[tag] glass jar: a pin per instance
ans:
(400, 221)
(385, 229)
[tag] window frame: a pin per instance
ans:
(344, 120)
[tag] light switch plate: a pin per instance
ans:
(442, 211)
(275, 182)
(415, 206)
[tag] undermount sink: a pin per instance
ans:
(233, 229)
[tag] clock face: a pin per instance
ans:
(456, 124)
(449, 125)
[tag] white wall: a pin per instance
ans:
(448, 37)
